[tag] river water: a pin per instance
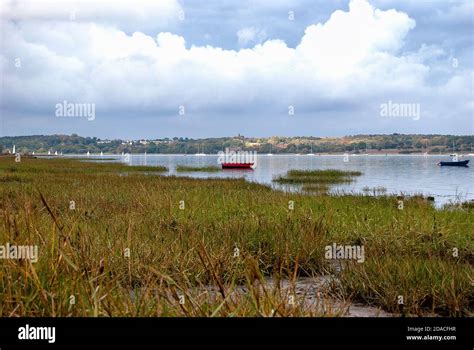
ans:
(398, 174)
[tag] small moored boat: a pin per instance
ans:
(237, 165)
(455, 163)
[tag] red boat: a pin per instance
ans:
(237, 165)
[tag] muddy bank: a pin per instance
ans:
(310, 295)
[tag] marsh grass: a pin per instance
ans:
(427, 285)
(185, 168)
(322, 177)
(335, 173)
(95, 159)
(177, 252)
(316, 182)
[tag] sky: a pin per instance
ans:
(190, 68)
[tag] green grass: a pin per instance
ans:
(31, 165)
(334, 173)
(185, 168)
(322, 177)
(179, 250)
(316, 181)
(426, 285)
(95, 159)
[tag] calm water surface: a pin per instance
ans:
(408, 174)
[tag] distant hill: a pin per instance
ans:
(394, 143)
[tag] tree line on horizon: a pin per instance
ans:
(75, 144)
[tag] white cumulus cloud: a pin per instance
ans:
(250, 35)
(355, 57)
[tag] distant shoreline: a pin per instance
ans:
(381, 153)
(356, 144)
